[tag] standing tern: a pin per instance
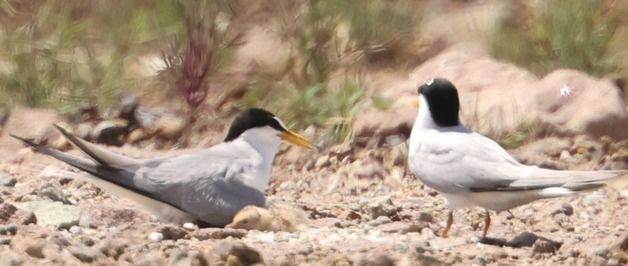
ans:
(469, 169)
(208, 186)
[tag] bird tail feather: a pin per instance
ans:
(113, 181)
(98, 154)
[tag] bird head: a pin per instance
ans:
(252, 218)
(439, 98)
(262, 124)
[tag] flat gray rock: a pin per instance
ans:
(52, 214)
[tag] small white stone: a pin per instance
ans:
(156, 236)
(624, 193)
(75, 230)
(565, 90)
(265, 237)
(190, 226)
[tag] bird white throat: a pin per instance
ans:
(265, 143)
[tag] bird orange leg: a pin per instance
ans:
(487, 223)
(450, 221)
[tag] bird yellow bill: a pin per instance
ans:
(296, 139)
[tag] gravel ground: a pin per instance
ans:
(361, 210)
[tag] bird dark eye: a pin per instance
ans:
(245, 221)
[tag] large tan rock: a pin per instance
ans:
(497, 96)
(595, 107)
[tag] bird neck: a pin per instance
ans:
(265, 141)
(262, 148)
(425, 122)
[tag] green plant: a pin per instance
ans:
(331, 42)
(379, 31)
(564, 34)
(313, 105)
(63, 54)
(521, 134)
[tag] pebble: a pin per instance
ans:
(188, 257)
(602, 252)
(190, 226)
(241, 254)
(398, 227)
(171, 232)
(218, 233)
(85, 254)
(11, 214)
(110, 132)
(7, 180)
(544, 246)
(372, 169)
(574, 253)
(11, 229)
(427, 233)
(113, 248)
(52, 214)
(565, 156)
(382, 207)
(137, 135)
(426, 217)
(52, 191)
(525, 239)
(341, 151)
(399, 155)
(322, 161)
(84, 130)
(156, 236)
(613, 262)
(380, 260)
(565, 208)
(597, 260)
(479, 261)
(35, 250)
(75, 229)
(380, 220)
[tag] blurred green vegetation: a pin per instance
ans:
(584, 35)
(73, 53)
(65, 54)
(332, 42)
(520, 135)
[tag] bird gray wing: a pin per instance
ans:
(460, 161)
(217, 200)
(206, 184)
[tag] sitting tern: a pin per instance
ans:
(208, 186)
(469, 169)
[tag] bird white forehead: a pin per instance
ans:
(280, 122)
(430, 81)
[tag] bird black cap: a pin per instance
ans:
(442, 99)
(252, 118)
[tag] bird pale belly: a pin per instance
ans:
(501, 201)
